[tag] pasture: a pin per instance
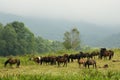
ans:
(30, 70)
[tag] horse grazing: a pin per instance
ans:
(90, 62)
(81, 61)
(36, 59)
(62, 59)
(94, 54)
(12, 61)
(48, 60)
(104, 53)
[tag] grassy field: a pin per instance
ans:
(31, 71)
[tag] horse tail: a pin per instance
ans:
(6, 62)
(18, 63)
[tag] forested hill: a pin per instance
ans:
(91, 34)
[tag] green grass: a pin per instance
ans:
(32, 71)
(83, 75)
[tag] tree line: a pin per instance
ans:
(17, 39)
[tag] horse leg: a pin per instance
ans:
(110, 57)
(18, 63)
(95, 65)
(79, 65)
(64, 64)
(101, 57)
(6, 62)
(104, 57)
(41, 62)
(88, 66)
(11, 65)
(68, 60)
(58, 64)
(71, 59)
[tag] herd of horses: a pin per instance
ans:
(86, 59)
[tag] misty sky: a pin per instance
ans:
(93, 11)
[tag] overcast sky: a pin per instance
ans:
(94, 11)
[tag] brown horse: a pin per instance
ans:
(90, 62)
(81, 61)
(12, 61)
(62, 59)
(36, 59)
(104, 53)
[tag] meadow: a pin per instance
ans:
(30, 70)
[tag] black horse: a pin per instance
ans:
(48, 60)
(12, 61)
(90, 62)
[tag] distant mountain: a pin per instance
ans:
(112, 41)
(53, 29)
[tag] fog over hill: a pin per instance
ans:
(54, 29)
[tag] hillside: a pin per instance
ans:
(53, 29)
(112, 41)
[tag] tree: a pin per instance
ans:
(57, 46)
(72, 39)
(9, 38)
(43, 45)
(16, 39)
(2, 41)
(25, 38)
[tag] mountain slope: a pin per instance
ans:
(112, 41)
(54, 29)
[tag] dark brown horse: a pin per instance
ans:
(106, 53)
(90, 62)
(61, 59)
(12, 61)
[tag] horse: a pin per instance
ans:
(73, 57)
(81, 61)
(94, 54)
(90, 62)
(36, 59)
(61, 59)
(12, 61)
(49, 60)
(67, 56)
(104, 53)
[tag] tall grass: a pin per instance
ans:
(85, 75)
